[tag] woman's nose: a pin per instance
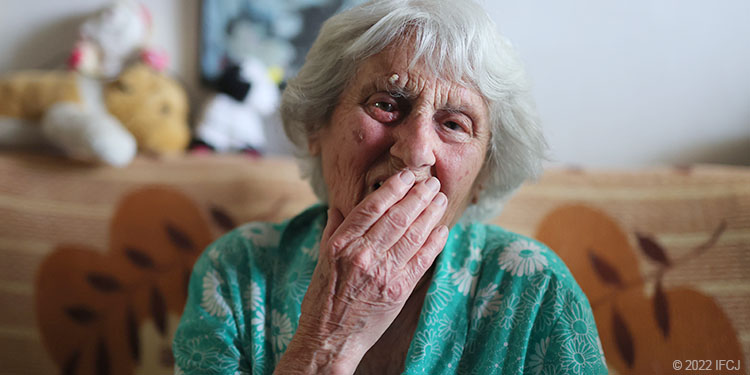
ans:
(415, 141)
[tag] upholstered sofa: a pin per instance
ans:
(95, 259)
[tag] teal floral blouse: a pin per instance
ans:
(498, 302)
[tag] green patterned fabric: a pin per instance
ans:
(498, 302)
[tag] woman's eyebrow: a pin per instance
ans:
(384, 84)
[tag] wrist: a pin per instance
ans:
(308, 355)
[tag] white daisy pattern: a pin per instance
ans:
(554, 369)
(508, 310)
(296, 284)
(536, 359)
(281, 333)
(601, 350)
(549, 309)
(446, 329)
(213, 254)
(466, 276)
(252, 296)
(486, 302)
(575, 323)
(522, 258)
(311, 251)
(196, 353)
(258, 322)
(438, 295)
(578, 356)
(261, 234)
(259, 358)
(424, 345)
(212, 300)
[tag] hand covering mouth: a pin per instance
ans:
(380, 179)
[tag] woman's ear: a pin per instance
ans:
(479, 185)
(313, 145)
(476, 192)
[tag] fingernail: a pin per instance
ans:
(433, 183)
(443, 231)
(407, 177)
(440, 199)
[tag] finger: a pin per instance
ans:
(425, 257)
(367, 212)
(334, 221)
(416, 235)
(394, 223)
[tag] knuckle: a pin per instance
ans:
(337, 244)
(397, 218)
(373, 207)
(414, 238)
(361, 260)
(395, 291)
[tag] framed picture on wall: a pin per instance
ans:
(278, 33)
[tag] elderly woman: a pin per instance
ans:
(414, 122)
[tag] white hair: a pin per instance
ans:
(455, 39)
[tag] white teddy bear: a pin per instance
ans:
(112, 37)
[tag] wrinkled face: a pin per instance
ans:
(390, 118)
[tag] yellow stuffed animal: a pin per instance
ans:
(94, 120)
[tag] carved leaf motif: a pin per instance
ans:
(661, 309)
(134, 341)
(103, 282)
(71, 364)
(102, 365)
(81, 314)
(652, 249)
(714, 236)
(139, 258)
(623, 338)
(604, 270)
(179, 238)
(159, 310)
(222, 219)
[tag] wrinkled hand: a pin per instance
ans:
(369, 265)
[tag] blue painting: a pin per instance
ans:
(277, 32)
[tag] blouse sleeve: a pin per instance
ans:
(572, 345)
(207, 340)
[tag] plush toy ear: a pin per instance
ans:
(232, 84)
(155, 59)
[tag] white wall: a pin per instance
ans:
(637, 82)
(618, 83)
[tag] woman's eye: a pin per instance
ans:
(384, 109)
(384, 106)
(452, 125)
